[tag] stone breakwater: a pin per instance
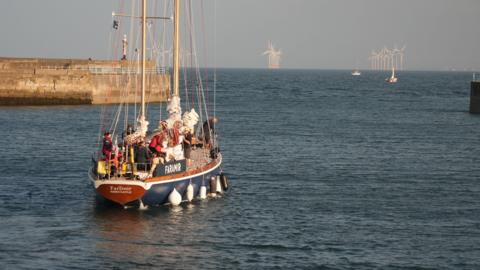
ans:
(34, 81)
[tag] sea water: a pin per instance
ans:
(326, 170)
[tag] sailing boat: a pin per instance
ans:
(392, 78)
(118, 176)
(356, 72)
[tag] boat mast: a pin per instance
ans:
(176, 46)
(144, 21)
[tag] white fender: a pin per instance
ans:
(142, 206)
(189, 192)
(174, 198)
(203, 192)
(219, 185)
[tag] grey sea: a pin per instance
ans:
(327, 171)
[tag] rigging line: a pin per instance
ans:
(137, 76)
(208, 122)
(203, 101)
(164, 31)
(154, 26)
(163, 51)
(135, 89)
(132, 22)
(113, 127)
(197, 85)
(108, 91)
(193, 52)
(206, 74)
(103, 108)
(215, 63)
(188, 27)
(120, 27)
(195, 63)
(154, 55)
(124, 79)
(109, 78)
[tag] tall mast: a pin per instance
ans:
(176, 46)
(144, 21)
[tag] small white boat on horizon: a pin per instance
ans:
(356, 73)
(392, 79)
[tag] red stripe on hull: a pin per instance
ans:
(121, 194)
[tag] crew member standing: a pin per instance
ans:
(209, 131)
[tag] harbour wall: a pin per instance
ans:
(35, 81)
(475, 97)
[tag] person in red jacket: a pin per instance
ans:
(108, 152)
(156, 143)
(107, 147)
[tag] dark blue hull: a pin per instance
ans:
(158, 193)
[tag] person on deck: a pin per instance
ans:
(156, 159)
(176, 136)
(209, 131)
(109, 152)
(156, 143)
(187, 145)
(142, 156)
(107, 147)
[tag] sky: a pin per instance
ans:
(312, 34)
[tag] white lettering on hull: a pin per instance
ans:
(172, 168)
(120, 190)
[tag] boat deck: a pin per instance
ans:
(199, 157)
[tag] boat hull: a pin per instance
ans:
(154, 191)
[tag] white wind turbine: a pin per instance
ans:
(273, 56)
(371, 60)
(395, 56)
(165, 56)
(374, 60)
(402, 55)
(386, 58)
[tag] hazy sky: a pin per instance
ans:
(326, 34)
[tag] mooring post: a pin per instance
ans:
(475, 97)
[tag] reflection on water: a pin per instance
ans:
(140, 237)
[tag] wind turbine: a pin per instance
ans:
(165, 56)
(370, 59)
(273, 56)
(402, 54)
(395, 56)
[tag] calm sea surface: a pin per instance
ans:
(328, 171)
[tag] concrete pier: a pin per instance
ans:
(34, 81)
(475, 97)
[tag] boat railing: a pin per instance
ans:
(111, 170)
(109, 70)
(108, 170)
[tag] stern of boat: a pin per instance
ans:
(119, 191)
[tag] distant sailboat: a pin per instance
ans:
(392, 78)
(356, 72)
